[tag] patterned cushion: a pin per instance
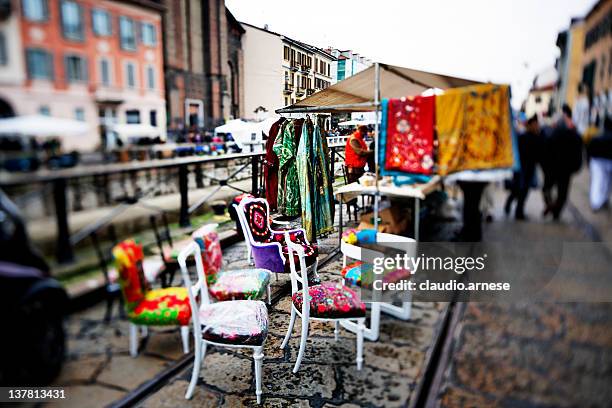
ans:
(240, 322)
(240, 284)
(257, 218)
(330, 300)
(128, 257)
(352, 274)
(162, 307)
(212, 256)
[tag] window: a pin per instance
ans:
(127, 33)
(39, 63)
(149, 36)
(286, 53)
(105, 72)
(35, 10)
(101, 22)
(130, 75)
(151, 77)
(132, 116)
(76, 68)
(79, 114)
(3, 51)
(72, 20)
(153, 117)
(44, 110)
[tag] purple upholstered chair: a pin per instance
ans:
(267, 245)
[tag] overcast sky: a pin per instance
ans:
(489, 40)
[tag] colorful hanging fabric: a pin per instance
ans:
(285, 148)
(474, 129)
(410, 134)
(270, 165)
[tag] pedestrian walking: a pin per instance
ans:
(600, 165)
(562, 156)
(529, 145)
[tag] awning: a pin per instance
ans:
(356, 93)
(42, 126)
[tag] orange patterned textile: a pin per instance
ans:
(474, 128)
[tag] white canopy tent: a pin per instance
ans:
(364, 90)
(42, 126)
(131, 132)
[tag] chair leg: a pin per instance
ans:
(258, 357)
(360, 329)
(133, 340)
(336, 329)
(289, 329)
(303, 339)
(269, 295)
(198, 358)
(185, 338)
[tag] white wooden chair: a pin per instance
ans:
(311, 303)
(361, 254)
(234, 324)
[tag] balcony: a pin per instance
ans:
(305, 69)
(288, 89)
(295, 66)
(310, 91)
(300, 91)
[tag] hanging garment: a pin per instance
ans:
(285, 148)
(410, 134)
(270, 165)
(474, 129)
(314, 180)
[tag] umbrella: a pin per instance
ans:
(42, 126)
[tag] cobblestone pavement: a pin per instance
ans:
(534, 354)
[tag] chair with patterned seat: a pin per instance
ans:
(324, 302)
(148, 307)
(268, 246)
(234, 323)
(233, 284)
(368, 245)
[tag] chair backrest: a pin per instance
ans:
(254, 217)
(298, 277)
(128, 258)
(198, 293)
(210, 245)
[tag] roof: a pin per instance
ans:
(232, 20)
(356, 93)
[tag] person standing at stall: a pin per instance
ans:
(357, 154)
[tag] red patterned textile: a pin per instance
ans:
(330, 300)
(270, 166)
(410, 134)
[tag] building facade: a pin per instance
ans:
(597, 57)
(347, 63)
(98, 61)
(569, 64)
(540, 98)
(203, 64)
(280, 71)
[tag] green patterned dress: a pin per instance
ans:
(285, 148)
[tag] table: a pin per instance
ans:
(415, 191)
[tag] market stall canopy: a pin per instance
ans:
(42, 126)
(356, 93)
(135, 131)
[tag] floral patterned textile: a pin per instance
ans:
(285, 147)
(169, 306)
(329, 300)
(240, 284)
(240, 322)
(163, 307)
(474, 129)
(410, 134)
(212, 256)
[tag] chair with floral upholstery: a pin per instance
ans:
(325, 302)
(267, 245)
(228, 285)
(234, 324)
(352, 246)
(148, 307)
